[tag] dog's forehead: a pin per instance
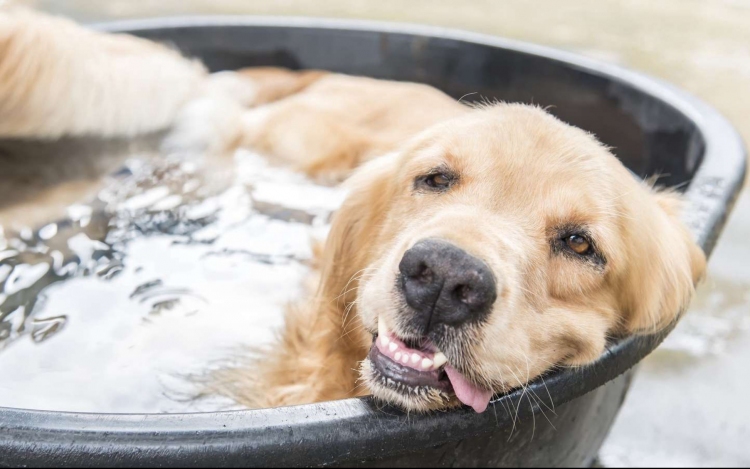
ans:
(522, 139)
(528, 149)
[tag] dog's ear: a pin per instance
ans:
(664, 264)
(355, 226)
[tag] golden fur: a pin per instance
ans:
(57, 78)
(522, 178)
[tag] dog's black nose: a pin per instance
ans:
(444, 284)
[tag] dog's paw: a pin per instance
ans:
(212, 123)
(206, 125)
(242, 90)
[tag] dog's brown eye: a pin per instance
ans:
(437, 181)
(578, 244)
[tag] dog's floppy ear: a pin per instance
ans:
(355, 226)
(664, 264)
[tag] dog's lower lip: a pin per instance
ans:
(410, 377)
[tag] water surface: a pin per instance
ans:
(168, 272)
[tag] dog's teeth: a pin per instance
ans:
(384, 340)
(405, 358)
(392, 346)
(398, 356)
(440, 359)
(415, 358)
(426, 363)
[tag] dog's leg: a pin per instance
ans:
(294, 127)
(319, 145)
(267, 109)
(272, 84)
(261, 108)
(57, 78)
(213, 122)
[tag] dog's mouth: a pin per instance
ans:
(412, 367)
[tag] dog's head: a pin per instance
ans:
(496, 246)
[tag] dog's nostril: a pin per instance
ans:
(425, 275)
(463, 293)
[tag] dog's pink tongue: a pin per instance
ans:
(467, 392)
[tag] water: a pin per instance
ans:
(167, 273)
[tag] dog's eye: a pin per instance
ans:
(578, 244)
(575, 242)
(438, 180)
(435, 181)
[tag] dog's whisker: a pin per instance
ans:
(348, 309)
(354, 277)
(540, 402)
(515, 417)
(551, 401)
(346, 333)
(504, 402)
(533, 417)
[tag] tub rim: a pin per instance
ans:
(366, 430)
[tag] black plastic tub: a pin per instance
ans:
(654, 129)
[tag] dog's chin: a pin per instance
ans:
(412, 390)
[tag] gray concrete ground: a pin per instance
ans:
(687, 405)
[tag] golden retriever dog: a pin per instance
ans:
(478, 248)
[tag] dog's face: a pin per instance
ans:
(499, 245)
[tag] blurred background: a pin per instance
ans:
(688, 405)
